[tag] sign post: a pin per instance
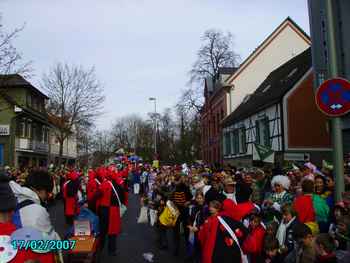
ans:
(332, 97)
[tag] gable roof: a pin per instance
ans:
(16, 80)
(287, 22)
(273, 88)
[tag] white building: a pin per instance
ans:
(287, 41)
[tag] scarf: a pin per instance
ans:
(231, 196)
(282, 231)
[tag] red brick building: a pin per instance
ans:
(213, 112)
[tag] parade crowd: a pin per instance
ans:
(215, 215)
(247, 215)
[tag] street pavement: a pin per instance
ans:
(133, 242)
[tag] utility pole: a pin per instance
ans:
(155, 125)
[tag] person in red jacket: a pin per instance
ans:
(70, 196)
(253, 244)
(95, 180)
(112, 196)
(8, 205)
(244, 206)
(303, 205)
(217, 244)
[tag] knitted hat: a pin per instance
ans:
(8, 200)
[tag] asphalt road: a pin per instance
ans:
(133, 242)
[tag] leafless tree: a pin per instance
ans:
(76, 98)
(216, 51)
(11, 61)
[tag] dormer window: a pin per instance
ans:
(267, 88)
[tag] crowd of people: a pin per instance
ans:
(252, 215)
(215, 215)
(24, 206)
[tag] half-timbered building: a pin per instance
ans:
(281, 115)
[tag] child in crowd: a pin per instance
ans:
(271, 253)
(325, 249)
(197, 215)
(159, 204)
(303, 251)
(253, 244)
(285, 230)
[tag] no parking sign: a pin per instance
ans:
(333, 97)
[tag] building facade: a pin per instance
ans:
(280, 115)
(285, 42)
(23, 123)
(213, 112)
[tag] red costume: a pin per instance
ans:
(254, 242)
(70, 195)
(110, 221)
(304, 208)
(23, 254)
(92, 190)
(109, 207)
(242, 210)
(216, 243)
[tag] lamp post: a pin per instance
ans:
(155, 125)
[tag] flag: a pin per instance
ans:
(263, 153)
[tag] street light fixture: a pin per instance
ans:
(155, 125)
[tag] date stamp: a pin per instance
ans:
(44, 245)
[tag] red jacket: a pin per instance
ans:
(304, 208)
(23, 255)
(70, 196)
(253, 244)
(109, 206)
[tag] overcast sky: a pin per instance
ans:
(140, 48)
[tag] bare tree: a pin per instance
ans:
(76, 98)
(216, 51)
(10, 59)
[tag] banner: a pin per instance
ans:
(263, 153)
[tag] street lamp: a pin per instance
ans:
(155, 125)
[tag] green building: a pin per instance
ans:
(24, 126)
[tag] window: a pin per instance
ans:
(246, 98)
(227, 143)
(263, 132)
(29, 100)
(242, 140)
(266, 88)
(292, 73)
(21, 128)
(235, 141)
(29, 129)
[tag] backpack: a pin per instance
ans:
(16, 218)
